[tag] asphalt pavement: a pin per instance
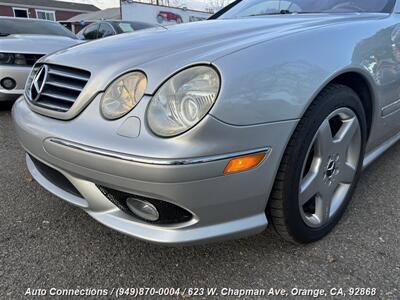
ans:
(46, 243)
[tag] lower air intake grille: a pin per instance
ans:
(56, 177)
(61, 87)
(169, 213)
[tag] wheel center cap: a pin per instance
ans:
(331, 168)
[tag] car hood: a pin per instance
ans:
(35, 44)
(161, 52)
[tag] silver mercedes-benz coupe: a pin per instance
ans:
(267, 113)
(22, 43)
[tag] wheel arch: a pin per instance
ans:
(363, 85)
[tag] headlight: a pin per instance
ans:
(7, 58)
(183, 101)
(13, 59)
(20, 59)
(123, 95)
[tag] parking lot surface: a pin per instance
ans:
(46, 243)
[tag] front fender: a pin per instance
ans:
(277, 80)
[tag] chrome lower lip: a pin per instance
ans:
(155, 161)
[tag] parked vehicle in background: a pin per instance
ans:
(22, 43)
(159, 14)
(167, 16)
(104, 29)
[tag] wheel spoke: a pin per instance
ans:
(346, 133)
(309, 187)
(325, 213)
(324, 205)
(347, 173)
(324, 138)
(338, 197)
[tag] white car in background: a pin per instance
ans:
(22, 43)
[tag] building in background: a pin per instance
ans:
(78, 22)
(44, 9)
(159, 14)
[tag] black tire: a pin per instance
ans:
(283, 209)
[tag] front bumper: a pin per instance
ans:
(223, 206)
(20, 75)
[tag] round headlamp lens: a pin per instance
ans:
(183, 101)
(20, 59)
(123, 95)
(6, 58)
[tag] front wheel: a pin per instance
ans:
(320, 167)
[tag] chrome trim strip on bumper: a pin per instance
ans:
(155, 161)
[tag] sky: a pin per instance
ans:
(193, 4)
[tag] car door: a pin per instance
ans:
(91, 32)
(379, 54)
(105, 30)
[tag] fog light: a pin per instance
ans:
(8, 83)
(143, 209)
(244, 163)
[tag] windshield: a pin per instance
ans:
(127, 27)
(21, 26)
(247, 8)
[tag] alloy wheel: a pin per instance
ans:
(330, 167)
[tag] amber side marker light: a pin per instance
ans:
(244, 163)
